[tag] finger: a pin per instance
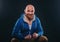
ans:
(30, 36)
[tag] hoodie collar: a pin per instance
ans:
(25, 18)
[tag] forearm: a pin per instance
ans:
(40, 33)
(19, 36)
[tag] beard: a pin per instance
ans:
(30, 16)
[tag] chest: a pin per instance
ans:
(32, 26)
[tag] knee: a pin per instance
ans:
(14, 40)
(43, 39)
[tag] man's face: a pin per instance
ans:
(29, 11)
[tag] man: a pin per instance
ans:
(28, 27)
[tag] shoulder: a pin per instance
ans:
(37, 19)
(20, 19)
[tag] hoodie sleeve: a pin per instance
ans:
(39, 27)
(17, 30)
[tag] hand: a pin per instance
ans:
(28, 37)
(35, 35)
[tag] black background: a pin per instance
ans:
(47, 10)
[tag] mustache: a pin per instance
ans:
(30, 14)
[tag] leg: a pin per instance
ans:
(25, 40)
(40, 39)
(14, 40)
(43, 39)
(17, 40)
(31, 40)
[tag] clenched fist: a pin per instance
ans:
(35, 35)
(28, 37)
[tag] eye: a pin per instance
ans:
(28, 11)
(32, 11)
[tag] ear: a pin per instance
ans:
(24, 10)
(34, 10)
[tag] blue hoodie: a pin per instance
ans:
(21, 28)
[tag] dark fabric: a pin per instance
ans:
(39, 39)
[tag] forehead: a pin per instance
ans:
(31, 7)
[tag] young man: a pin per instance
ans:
(28, 27)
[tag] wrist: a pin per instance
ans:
(37, 35)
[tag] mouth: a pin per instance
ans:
(30, 16)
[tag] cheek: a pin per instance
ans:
(33, 13)
(26, 12)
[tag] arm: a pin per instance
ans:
(40, 29)
(17, 30)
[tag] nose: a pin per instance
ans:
(31, 12)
